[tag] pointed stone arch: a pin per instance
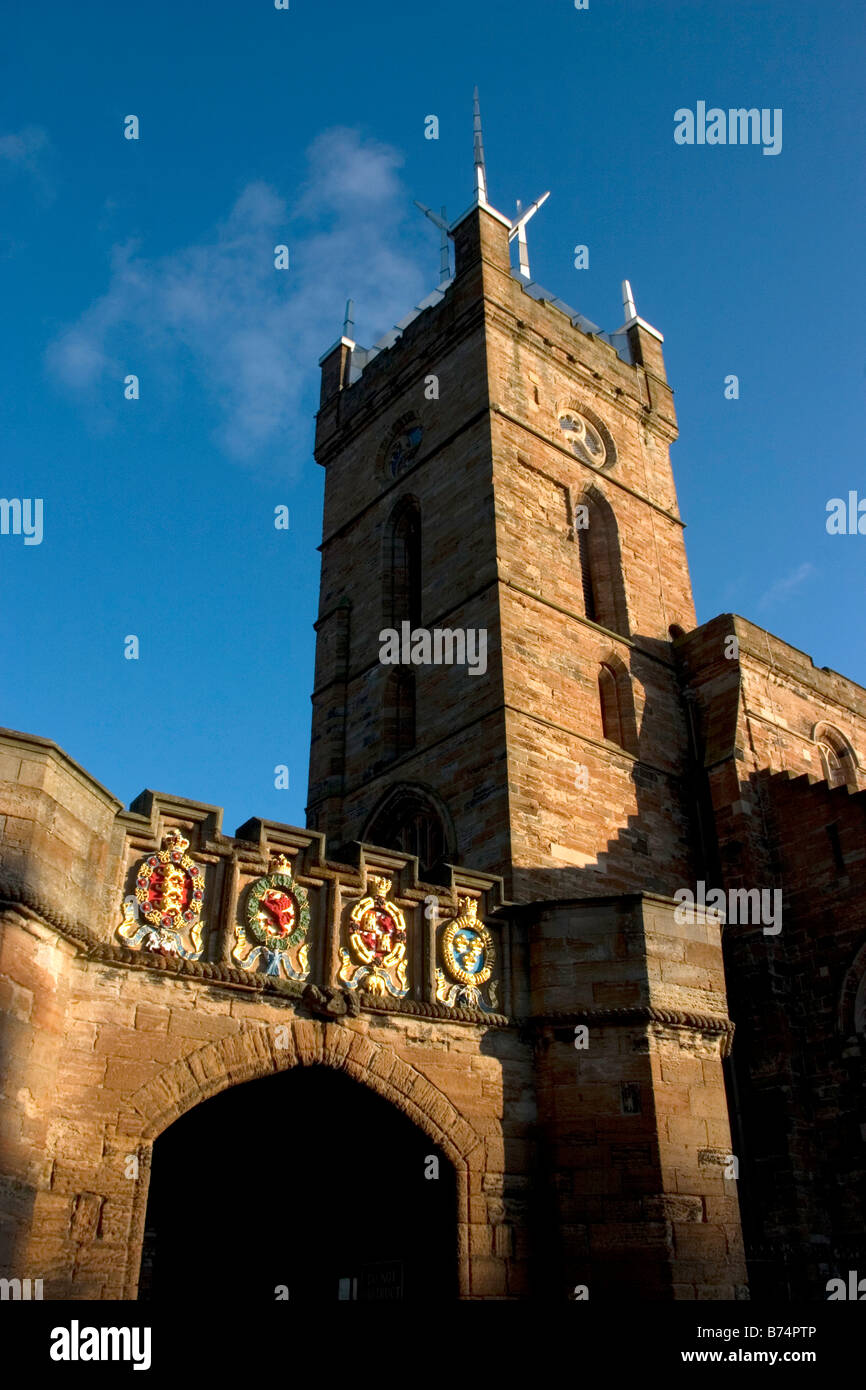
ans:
(601, 568)
(619, 714)
(254, 1053)
(409, 816)
(839, 762)
(401, 564)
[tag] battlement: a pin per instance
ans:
(148, 961)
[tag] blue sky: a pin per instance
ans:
(260, 126)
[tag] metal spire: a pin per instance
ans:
(444, 252)
(518, 229)
(348, 321)
(480, 169)
(631, 314)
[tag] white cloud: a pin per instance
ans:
(22, 148)
(784, 587)
(249, 335)
(26, 151)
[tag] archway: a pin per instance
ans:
(307, 1182)
(414, 820)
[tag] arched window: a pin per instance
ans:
(838, 763)
(402, 578)
(601, 565)
(410, 820)
(586, 575)
(399, 714)
(608, 695)
(834, 771)
(400, 446)
(616, 701)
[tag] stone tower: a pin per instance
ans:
(501, 465)
(498, 465)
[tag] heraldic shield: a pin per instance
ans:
(169, 892)
(272, 939)
(469, 956)
(376, 960)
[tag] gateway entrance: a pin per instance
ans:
(304, 1185)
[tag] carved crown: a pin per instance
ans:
(175, 839)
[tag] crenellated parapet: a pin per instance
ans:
(148, 961)
(161, 887)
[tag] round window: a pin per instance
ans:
(402, 450)
(584, 438)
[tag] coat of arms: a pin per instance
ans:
(377, 938)
(169, 892)
(273, 936)
(469, 956)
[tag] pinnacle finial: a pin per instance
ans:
(631, 314)
(444, 252)
(518, 229)
(444, 233)
(480, 168)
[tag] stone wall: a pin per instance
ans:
(106, 1045)
(798, 1057)
(634, 1117)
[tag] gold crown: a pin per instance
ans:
(281, 864)
(174, 839)
(381, 886)
(468, 907)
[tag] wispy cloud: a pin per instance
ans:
(784, 587)
(250, 335)
(27, 152)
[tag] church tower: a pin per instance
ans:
(498, 468)
(498, 473)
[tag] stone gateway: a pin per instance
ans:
(453, 1038)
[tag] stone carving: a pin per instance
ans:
(272, 939)
(377, 940)
(331, 1003)
(469, 956)
(169, 892)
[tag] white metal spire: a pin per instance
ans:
(631, 314)
(444, 251)
(480, 168)
(516, 225)
(518, 229)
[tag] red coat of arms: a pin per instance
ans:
(169, 892)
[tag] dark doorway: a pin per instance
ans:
(306, 1181)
